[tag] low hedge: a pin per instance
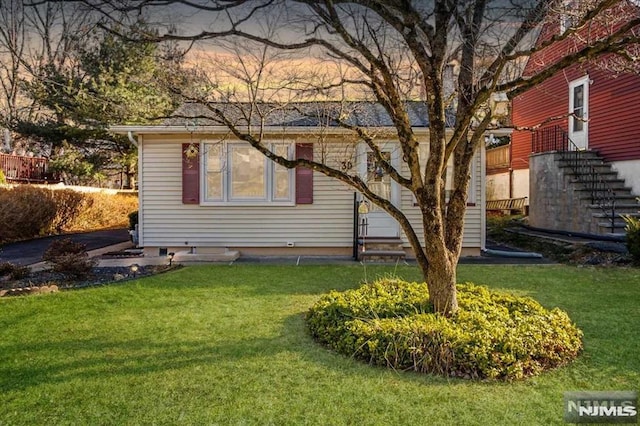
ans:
(493, 335)
(29, 211)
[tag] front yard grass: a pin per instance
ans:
(228, 345)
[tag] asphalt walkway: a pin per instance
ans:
(30, 252)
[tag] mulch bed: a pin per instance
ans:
(48, 281)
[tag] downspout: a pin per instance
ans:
(136, 232)
(511, 168)
(132, 139)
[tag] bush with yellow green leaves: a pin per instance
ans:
(493, 335)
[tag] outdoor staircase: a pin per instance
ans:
(380, 249)
(603, 195)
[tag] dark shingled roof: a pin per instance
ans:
(299, 114)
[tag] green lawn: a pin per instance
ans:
(227, 345)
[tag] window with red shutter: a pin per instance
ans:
(234, 173)
(190, 174)
(304, 176)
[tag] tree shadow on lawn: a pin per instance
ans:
(59, 362)
(48, 361)
(94, 359)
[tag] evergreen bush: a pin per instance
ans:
(69, 258)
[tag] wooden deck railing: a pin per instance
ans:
(498, 158)
(18, 168)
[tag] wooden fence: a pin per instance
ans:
(23, 169)
(498, 158)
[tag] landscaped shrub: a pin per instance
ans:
(25, 212)
(69, 258)
(101, 210)
(3, 178)
(14, 272)
(492, 336)
(69, 204)
(28, 211)
(633, 237)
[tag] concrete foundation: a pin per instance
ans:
(554, 201)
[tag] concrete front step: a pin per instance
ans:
(379, 240)
(382, 255)
(596, 162)
(586, 169)
(565, 162)
(186, 257)
(617, 229)
(583, 153)
(631, 207)
(604, 221)
(622, 191)
(618, 215)
(620, 199)
(611, 183)
(594, 188)
(380, 249)
(606, 174)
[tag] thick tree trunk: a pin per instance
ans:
(441, 280)
(437, 263)
(440, 261)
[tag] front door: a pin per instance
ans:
(579, 113)
(379, 222)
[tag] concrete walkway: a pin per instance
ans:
(117, 240)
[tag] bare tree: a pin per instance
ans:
(385, 50)
(13, 43)
(36, 38)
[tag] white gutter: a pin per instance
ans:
(268, 129)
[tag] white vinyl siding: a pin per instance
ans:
(328, 222)
(169, 223)
(474, 222)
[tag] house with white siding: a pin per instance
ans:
(203, 191)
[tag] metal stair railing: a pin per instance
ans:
(556, 138)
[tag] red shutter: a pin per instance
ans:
(190, 174)
(304, 176)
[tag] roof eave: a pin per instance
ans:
(141, 130)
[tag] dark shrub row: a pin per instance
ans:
(493, 335)
(29, 211)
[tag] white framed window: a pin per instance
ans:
(423, 155)
(237, 173)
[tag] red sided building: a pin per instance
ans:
(588, 116)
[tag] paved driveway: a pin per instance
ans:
(31, 251)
